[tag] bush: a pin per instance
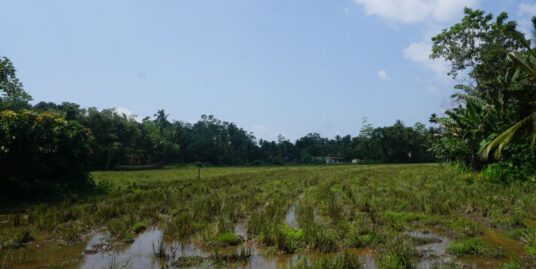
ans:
(41, 153)
(505, 172)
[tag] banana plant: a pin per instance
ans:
(524, 93)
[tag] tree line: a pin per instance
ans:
(117, 139)
(122, 140)
(492, 127)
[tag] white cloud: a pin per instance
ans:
(412, 11)
(267, 133)
(526, 11)
(127, 112)
(382, 74)
(419, 53)
(529, 9)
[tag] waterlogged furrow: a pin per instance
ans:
(288, 217)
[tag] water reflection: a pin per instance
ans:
(141, 254)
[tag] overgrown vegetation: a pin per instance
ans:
(336, 208)
(494, 125)
(41, 154)
(49, 148)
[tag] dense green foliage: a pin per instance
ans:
(496, 111)
(121, 140)
(12, 94)
(41, 152)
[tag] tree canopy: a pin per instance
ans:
(496, 109)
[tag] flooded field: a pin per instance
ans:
(141, 254)
(385, 216)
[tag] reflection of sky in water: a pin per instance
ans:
(137, 255)
(140, 253)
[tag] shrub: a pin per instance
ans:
(40, 153)
(505, 172)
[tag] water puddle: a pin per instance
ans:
(290, 217)
(100, 252)
(241, 230)
(33, 256)
(511, 247)
(367, 258)
(98, 243)
(137, 255)
(143, 253)
(433, 248)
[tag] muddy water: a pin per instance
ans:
(36, 256)
(241, 230)
(512, 248)
(141, 254)
(290, 217)
(434, 252)
(98, 253)
(138, 255)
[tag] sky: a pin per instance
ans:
(286, 67)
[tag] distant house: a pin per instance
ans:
(329, 159)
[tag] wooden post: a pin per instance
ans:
(199, 165)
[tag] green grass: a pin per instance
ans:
(473, 247)
(344, 260)
(337, 208)
(228, 239)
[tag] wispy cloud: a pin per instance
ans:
(125, 111)
(382, 74)
(419, 52)
(526, 11)
(433, 14)
(264, 132)
(412, 11)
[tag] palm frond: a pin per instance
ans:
(518, 60)
(503, 139)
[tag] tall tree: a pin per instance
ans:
(12, 94)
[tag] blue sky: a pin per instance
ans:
(273, 67)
